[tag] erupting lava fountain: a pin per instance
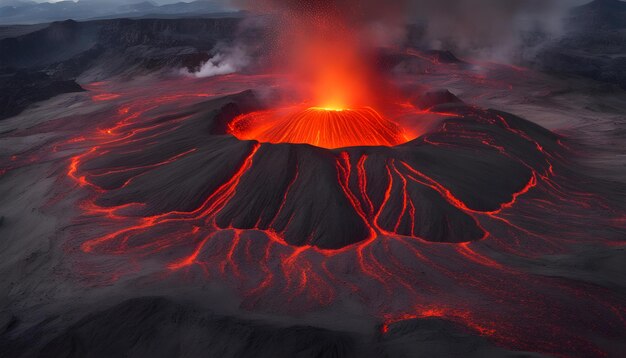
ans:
(337, 90)
(320, 126)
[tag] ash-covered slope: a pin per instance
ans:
(162, 327)
(594, 45)
(475, 161)
(21, 89)
(153, 198)
(599, 15)
(70, 47)
(42, 63)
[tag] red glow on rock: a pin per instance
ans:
(322, 127)
(394, 272)
(105, 97)
(329, 62)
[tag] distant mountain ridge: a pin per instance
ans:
(599, 15)
(38, 62)
(595, 45)
(30, 12)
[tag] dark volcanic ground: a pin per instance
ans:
(211, 236)
(132, 223)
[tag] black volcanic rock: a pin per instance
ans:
(594, 45)
(50, 59)
(316, 211)
(416, 60)
(566, 61)
(164, 327)
(70, 41)
(434, 98)
(599, 15)
(194, 61)
(21, 88)
(59, 41)
(434, 337)
(153, 327)
(443, 56)
(166, 33)
(76, 65)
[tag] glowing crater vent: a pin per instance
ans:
(319, 126)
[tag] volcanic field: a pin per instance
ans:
(477, 209)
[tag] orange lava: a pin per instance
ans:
(320, 126)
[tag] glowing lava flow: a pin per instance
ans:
(320, 126)
(393, 272)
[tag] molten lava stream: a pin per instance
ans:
(320, 126)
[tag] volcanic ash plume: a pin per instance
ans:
(344, 31)
(488, 28)
(329, 49)
(224, 61)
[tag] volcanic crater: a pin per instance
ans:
(429, 188)
(324, 127)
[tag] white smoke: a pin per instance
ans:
(494, 29)
(505, 30)
(224, 61)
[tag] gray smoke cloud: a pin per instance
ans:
(224, 60)
(494, 29)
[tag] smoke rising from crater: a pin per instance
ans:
(497, 29)
(329, 46)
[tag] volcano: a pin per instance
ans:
(366, 202)
(373, 186)
(216, 186)
(322, 127)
